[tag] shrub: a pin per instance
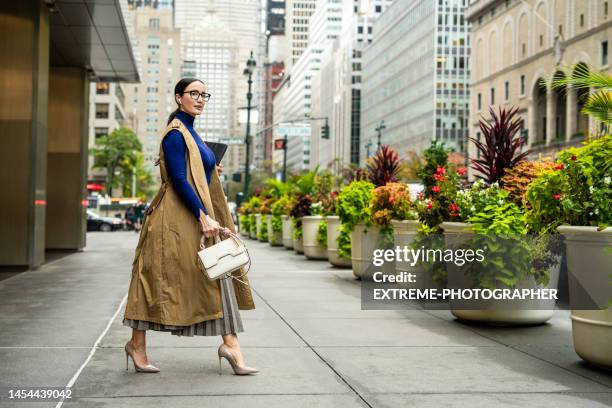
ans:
(384, 166)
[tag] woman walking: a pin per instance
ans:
(168, 290)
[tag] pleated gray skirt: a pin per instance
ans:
(229, 323)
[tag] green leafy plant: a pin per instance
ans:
(352, 207)
(598, 104)
(577, 191)
(436, 156)
(322, 233)
(263, 229)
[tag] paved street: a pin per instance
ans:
(312, 343)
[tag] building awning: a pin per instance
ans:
(92, 34)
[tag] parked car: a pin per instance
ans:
(96, 222)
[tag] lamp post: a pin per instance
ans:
(248, 71)
(379, 129)
(367, 146)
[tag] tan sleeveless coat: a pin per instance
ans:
(167, 283)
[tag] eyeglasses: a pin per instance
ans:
(195, 95)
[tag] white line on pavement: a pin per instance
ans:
(93, 349)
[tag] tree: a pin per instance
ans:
(144, 180)
(117, 153)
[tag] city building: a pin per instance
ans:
(337, 86)
(516, 45)
(325, 25)
(51, 52)
(218, 37)
(107, 113)
(415, 77)
(158, 44)
(297, 24)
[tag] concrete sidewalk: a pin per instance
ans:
(313, 344)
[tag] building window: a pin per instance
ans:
(378, 9)
(582, 20)
(101, 131)
(541, 40)
(506, 90)
(605, 9)
(524, 49)
(560, 29)
(522, 85)
(154, 24)
(604, 53)
(479, 102)
(101, 110)
(492, 96)
(102, 88)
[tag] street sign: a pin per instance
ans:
(292, 130)
(279, 144)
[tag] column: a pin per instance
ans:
(67, 159)
(571, 106)
(532, 127)
(24, 69)
(551, 115)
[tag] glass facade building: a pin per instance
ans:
(416, 76)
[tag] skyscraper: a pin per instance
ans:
(217, 39)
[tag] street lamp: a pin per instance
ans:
(248, 72)
(367, 146)
(379, 129)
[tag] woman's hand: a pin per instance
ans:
(219, 169)
(209, 226)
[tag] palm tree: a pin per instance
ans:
(599, 103)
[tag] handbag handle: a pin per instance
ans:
(238, 242)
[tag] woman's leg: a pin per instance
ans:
(231, 341)
(139, 347)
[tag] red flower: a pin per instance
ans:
(559, 166)
(461, 171)
(440, 170)
(574, 157)
(453, 208)
(435, 189)
(557, 196)
(439, 177)
(429, 206)
(391, 200)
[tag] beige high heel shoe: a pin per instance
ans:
(149, 368)
(224, 351)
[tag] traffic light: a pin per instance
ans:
(237, 177)
(325, 131)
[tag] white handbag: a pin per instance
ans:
(218, 261)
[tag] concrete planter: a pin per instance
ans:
(298, 245)
(258, 225)
(589, 266)
(333, 230)
(456, 233)
(287, 232)
(274, 238)
(364, 240)
(404, 233)
(310, 227)
(253, 230)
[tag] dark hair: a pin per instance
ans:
(179, 88)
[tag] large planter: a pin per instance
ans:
(258, 225)
(274, 238)
(364, 240)
(253, 229)
(534, 312)
(310, 228)
(404, 233)
(333, 230)
(287, 232)
(589, 264)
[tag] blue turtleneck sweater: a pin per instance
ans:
(174, 153)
